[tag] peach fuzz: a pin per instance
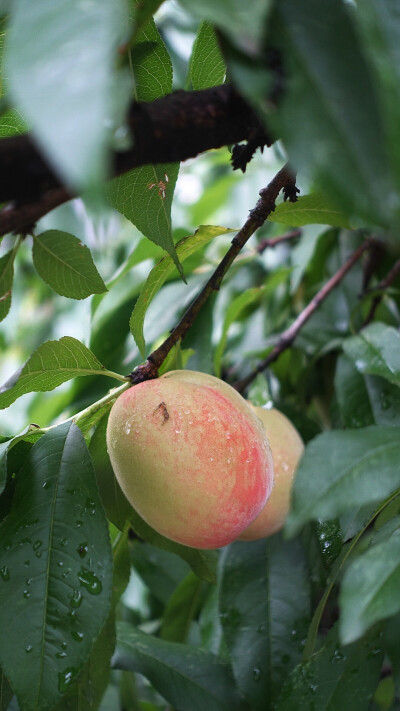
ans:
(191, 457)
(287, 448)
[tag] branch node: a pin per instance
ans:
(146, 371)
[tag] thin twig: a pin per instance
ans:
(381, 286)
(283, 180)
(273, 241)
(287, 337)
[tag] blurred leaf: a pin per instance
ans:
(66, 265)
(335, 677)
(158, 275)
(376, 350)
(380, 25)
(391, 632)
(6, 692)
(181, 608)
(6, 280)
(264, 610)
(51, 364)
(190, 679)
(199, 339)
(207, 67)
(12, 123)
(233, 17)
(307, 210)
(143, 250)
(232, 313)
(202, 562)
(369, 590)
(331, 104)
(56, 569)
(60, 64)
(116, 506)
(144, 195)
(325, 486)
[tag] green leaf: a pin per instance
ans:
(376, 350)
(189, 678)
(56, 568)
(66, 265)
(364, 399)
(202, 562)
(232, 313)
(330, 118)
(181, 608)
(160, 273)
(335, 677)
(341, 470)
(6, 279)
(264, 610)
(207, 67)
(143, 13)
(88, 690)
(369, 591)
(380, 27)
(307, 210)
(60, 65)
(233, 17)
(144, 195)
(6, 692)
(27, 434)
(51, 364)
(115, 504)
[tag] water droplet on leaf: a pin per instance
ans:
(90, 581)
(5, 573)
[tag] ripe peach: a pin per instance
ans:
(191, 456)
(287, 448)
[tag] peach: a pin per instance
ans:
(287, 448)
(191, 456)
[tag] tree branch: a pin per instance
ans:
(283, 180)
(170, 129)
(288, 336)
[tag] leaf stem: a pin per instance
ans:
(91, 409)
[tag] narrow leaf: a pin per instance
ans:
(307, 210)
(115, 504)
(232, 313)
(369, 591)
(59, 63)
(181, 609)
(376, 350)
(264, 610)
(6, 693)
(160, 273)
(189, 678)
(144, 195)
(207, 67)
(362, 467)
(56, 569)
(51, 364)
(66, 265)
(6, 279)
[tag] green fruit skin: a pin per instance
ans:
(287, 448)
(191, 457)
